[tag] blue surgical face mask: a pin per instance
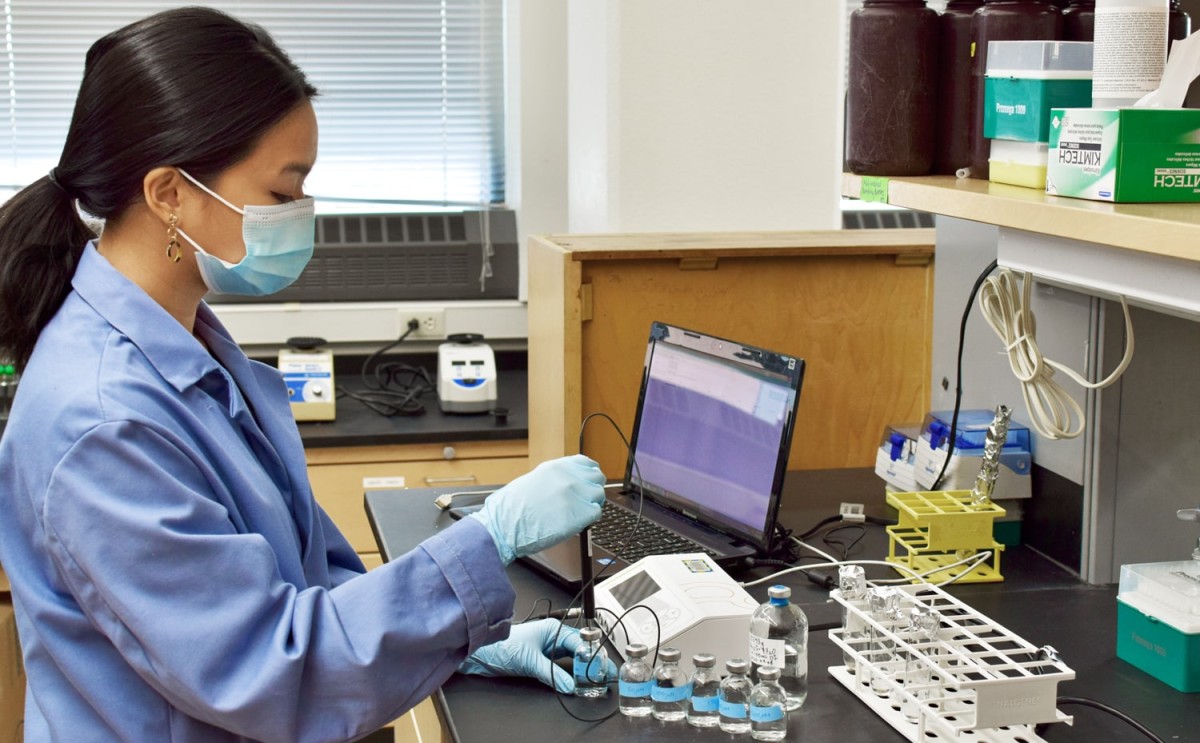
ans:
(279, 243)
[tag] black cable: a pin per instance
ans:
(632, 531)
(392, 388)
(619, 621)
(845, 546)
(1112, 711)
(962, 334)
(533, 608)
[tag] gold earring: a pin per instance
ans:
(173, 250)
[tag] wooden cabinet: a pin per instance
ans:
(340, 475)
(855, 304)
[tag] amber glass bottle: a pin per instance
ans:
(1179, 26)
(890, 95)
(1002, 20)
(1079, 21)
(951, 150)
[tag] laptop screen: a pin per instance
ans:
(714, 429)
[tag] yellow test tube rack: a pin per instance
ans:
(940, 527)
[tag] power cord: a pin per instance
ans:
(392, 388)
(1084, 702)
(1053, 412)
(962, 334)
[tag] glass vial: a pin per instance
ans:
(891, 88)
(884, 603)
(733, 703)
(852, 583)
(670, 691)
(634, 682)
(779, 638)
(951, 149)
(704, 707)
(923, 626)
(591, 660)
(768, 707)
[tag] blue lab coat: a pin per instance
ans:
(173, 578)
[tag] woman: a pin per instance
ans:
(173, 578)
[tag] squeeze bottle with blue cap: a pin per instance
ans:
(634, 682)
(779, 639)
(671, 690)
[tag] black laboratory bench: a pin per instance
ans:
(358, 425)
(1040, 601)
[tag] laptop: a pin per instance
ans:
(709, 449)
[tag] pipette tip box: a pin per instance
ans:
(1158, 621)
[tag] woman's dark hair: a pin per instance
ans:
(191, 87)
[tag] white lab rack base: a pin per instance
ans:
(976, 681)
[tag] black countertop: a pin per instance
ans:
(1039, 601)
(358, 425)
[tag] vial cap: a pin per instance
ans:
(737, 665)
(636, 650)
(670, 655)
(590, 634)
(768, 673)
(704, 660)
(779, 592)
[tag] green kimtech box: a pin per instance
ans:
(1158, 621)
(1126, 154)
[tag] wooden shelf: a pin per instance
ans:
(1161, 229)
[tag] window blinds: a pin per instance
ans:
(412, 91)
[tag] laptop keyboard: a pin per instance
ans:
(612, 533)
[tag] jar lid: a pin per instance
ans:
(589, 634)
(768, 673)
(737, 665)
(704, 660)
(636, 650)
(670, 655)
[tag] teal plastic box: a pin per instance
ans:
(1158, 621)
(1025, 79)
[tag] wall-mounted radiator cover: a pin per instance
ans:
(405, 257)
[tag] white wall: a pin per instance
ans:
(674, 115)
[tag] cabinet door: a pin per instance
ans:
(339, 487)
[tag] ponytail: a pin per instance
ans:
(192, 87)
(41, 239)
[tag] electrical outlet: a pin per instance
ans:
(431, 322)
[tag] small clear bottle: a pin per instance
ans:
(852, 583)
(671, 689)
(779, 638)
(634, 682)
(734, 698)
(768, 706)
(704, 707)
(591, 662)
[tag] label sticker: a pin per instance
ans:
(376, 483)
(874, 189)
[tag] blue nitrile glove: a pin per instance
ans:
(543, 507)
(530, 651)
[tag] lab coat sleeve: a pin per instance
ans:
(344, 562)
(201, 613)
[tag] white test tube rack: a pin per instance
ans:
(977, 681)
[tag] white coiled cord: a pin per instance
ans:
(1053, 413)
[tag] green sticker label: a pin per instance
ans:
(874, 189)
